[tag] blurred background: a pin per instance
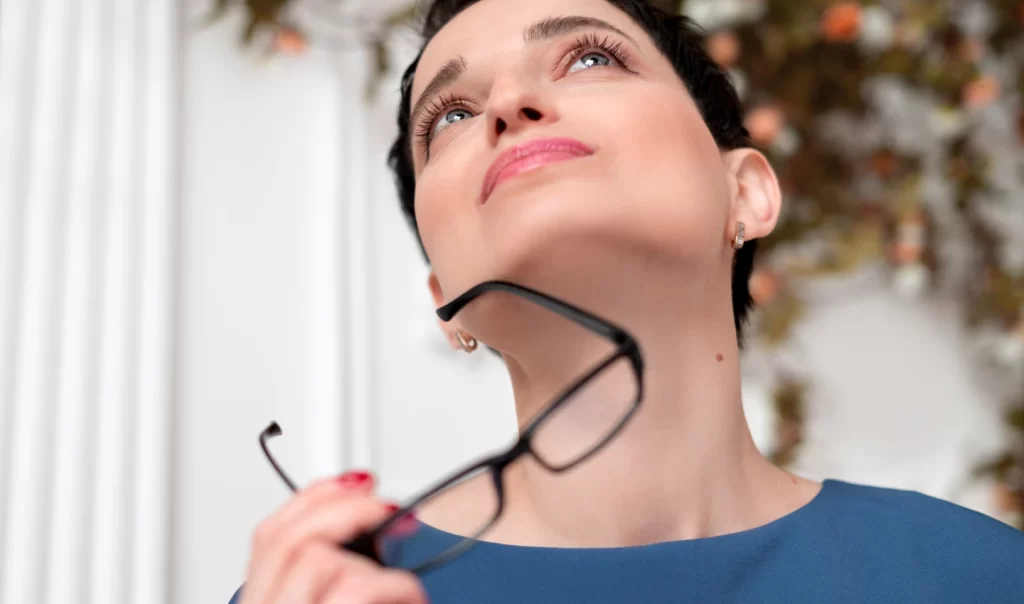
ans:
(199, 235)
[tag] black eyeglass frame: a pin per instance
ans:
(626, 347)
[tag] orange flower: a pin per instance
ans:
(909, 35)
(914, 216)
(764, 286)
(724, 48)
(764, 124)
(971, 50)
(1005, 500)
(884, 163)
(841, 22)
(290, 41)
(981, 92)
(905, 253)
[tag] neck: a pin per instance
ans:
(684, 467)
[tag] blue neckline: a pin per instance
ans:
(427, 531)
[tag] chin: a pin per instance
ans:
(562, 261)
(562, 236)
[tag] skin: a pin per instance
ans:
(295, 557)
(640, 232)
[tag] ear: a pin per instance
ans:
(756, 196)
(449, 328)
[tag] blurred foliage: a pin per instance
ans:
(798, 65)
(789, 408)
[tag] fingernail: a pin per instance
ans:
(409, 517)
(405, 525)
(407, 521)
(354, 479)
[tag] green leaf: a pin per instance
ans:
(218, 10)
(997, 467)
(249, 32)
(1015, 417)
(381, 63)
(400, 17)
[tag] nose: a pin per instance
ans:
(516, 103)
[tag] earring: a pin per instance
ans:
(467, 345)
(737, 243)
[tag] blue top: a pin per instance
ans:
(851, 543)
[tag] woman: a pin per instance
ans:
(590, 150)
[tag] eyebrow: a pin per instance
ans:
(448, 75)
(553, 27)
(540, 31)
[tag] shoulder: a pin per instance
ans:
(916, 530)
(913, 512)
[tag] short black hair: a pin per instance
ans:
(681, 40)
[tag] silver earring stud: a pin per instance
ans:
(737, 243)
(468, 345)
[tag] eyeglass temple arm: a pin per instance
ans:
(364, 544)
(566, 310)
(270, 432)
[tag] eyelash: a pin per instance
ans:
(428, 119)
(585, 44)
(590, 42)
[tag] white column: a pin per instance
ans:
(343, 411)
(87, 234)
(115, 414)
(359, 327)
(151, 555)
(71, 488)
(17, 19)
(326, 416)
(35, 350)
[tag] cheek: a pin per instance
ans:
(434, 216)
(671, 169)
(442, 217)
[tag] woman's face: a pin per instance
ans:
(554, 144)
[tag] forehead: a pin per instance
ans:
(494, 27)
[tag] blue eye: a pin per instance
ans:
(591, 59)
(455, 115)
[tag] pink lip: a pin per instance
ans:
(530, 156)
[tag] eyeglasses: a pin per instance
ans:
(578, 422)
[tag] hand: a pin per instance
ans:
(296, 558)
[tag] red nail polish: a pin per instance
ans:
(404, 526)
(392, 507)
(355, 479)
(409, 520)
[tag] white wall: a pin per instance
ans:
(256, 154)
(303, 299)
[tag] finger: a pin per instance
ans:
(308, 577)
(383, 586)
(351, 482)
(335, 521)
(319, 566)
(320, 493)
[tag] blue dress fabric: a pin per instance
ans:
(851, 543)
